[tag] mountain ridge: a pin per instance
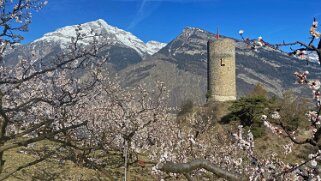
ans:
(187, 54)
(63, 36)
(182, 63)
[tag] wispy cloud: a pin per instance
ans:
(143, 12)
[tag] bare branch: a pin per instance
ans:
(185, 168)
(25, 142)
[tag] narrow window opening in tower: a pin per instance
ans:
(222, 64)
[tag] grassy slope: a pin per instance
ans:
(53, 169)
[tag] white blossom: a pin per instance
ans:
(314, 163)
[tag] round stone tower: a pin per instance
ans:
(221, 70)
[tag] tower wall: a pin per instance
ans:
(221, 70)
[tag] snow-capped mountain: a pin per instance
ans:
(154, 46)
(122, 47)
(110, 33)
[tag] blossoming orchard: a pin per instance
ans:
(71, 102)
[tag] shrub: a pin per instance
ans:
(249, 109)
(293, 111)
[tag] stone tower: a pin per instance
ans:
(221, 70)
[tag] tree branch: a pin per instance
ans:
(184, 168)
(306, 141)
(38, 138)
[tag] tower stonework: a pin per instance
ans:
(221, 70)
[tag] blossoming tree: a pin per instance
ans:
(42, 99)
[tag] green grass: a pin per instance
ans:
(54, 169)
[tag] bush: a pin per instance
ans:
(249, 109)
(292, 111)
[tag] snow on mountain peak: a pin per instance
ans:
(154, 46)
(110, 33)
(65, 34)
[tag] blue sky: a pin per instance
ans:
(163, 20)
